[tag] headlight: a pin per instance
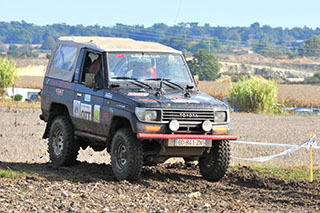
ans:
(220, 116)
(147, 115)
(174, 125)
(207, 125)
(150, 115)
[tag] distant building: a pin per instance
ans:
(242, 51)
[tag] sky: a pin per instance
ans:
(275, 13)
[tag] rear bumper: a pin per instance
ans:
(186, 136)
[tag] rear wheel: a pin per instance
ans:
(63, 148)
(214, 165)
(126, 155)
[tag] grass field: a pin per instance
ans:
(288, 94)
(34, 82)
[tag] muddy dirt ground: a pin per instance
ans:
(90, 186)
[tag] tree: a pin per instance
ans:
(209, 43)
(312, 46)
(317, 75)
(7, 74)
(315, 79)
(260, 45)
(13, 47)
(48, 44)
(2, 47)
(205, 65)
(178, 42)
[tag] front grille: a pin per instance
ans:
(187, 128)
(185, 115)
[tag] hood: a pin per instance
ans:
(171, 99)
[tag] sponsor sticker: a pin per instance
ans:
(87, 98)
(65, 84)
(185, 101)
(96, 113)
(138, 94)
(77, 70)
(76, 108)
(121, 105)
(203, 98)
(119, 55)
(108, 95)
(59, 91)
(86, 111)
(106, 116)
(175, 96)
(148, 100)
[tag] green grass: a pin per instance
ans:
(285, 172)
(21, 191)
(8, 173)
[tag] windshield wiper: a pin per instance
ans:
(135, 81)
(166, 81)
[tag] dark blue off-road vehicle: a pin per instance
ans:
(136, 99)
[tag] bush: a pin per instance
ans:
(315, 79)
(17, 97)
(312, 80)
(7, 74)
(254, 95)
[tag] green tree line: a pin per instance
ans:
(188, 36)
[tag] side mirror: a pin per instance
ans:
(196, 79)
(90, 82)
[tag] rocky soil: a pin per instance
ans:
(90, 186)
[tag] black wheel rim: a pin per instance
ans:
(57, 143)
(121, 156)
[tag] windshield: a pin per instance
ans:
(148, 66)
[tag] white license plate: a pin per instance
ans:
(190, 142)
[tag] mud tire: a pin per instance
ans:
(63, 148)
(214, 165)
(126, 155)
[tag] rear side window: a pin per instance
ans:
(65, 57)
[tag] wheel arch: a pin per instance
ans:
(117, 122)
(56, 109)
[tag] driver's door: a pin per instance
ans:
(87, 103)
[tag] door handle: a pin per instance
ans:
(79, 94)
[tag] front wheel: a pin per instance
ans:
(214, 165)
(126, 155)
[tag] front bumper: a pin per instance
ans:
(185, 136)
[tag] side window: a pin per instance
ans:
(65, 57)
(93, 64)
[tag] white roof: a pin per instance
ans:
(111, 44)
(107, 44)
